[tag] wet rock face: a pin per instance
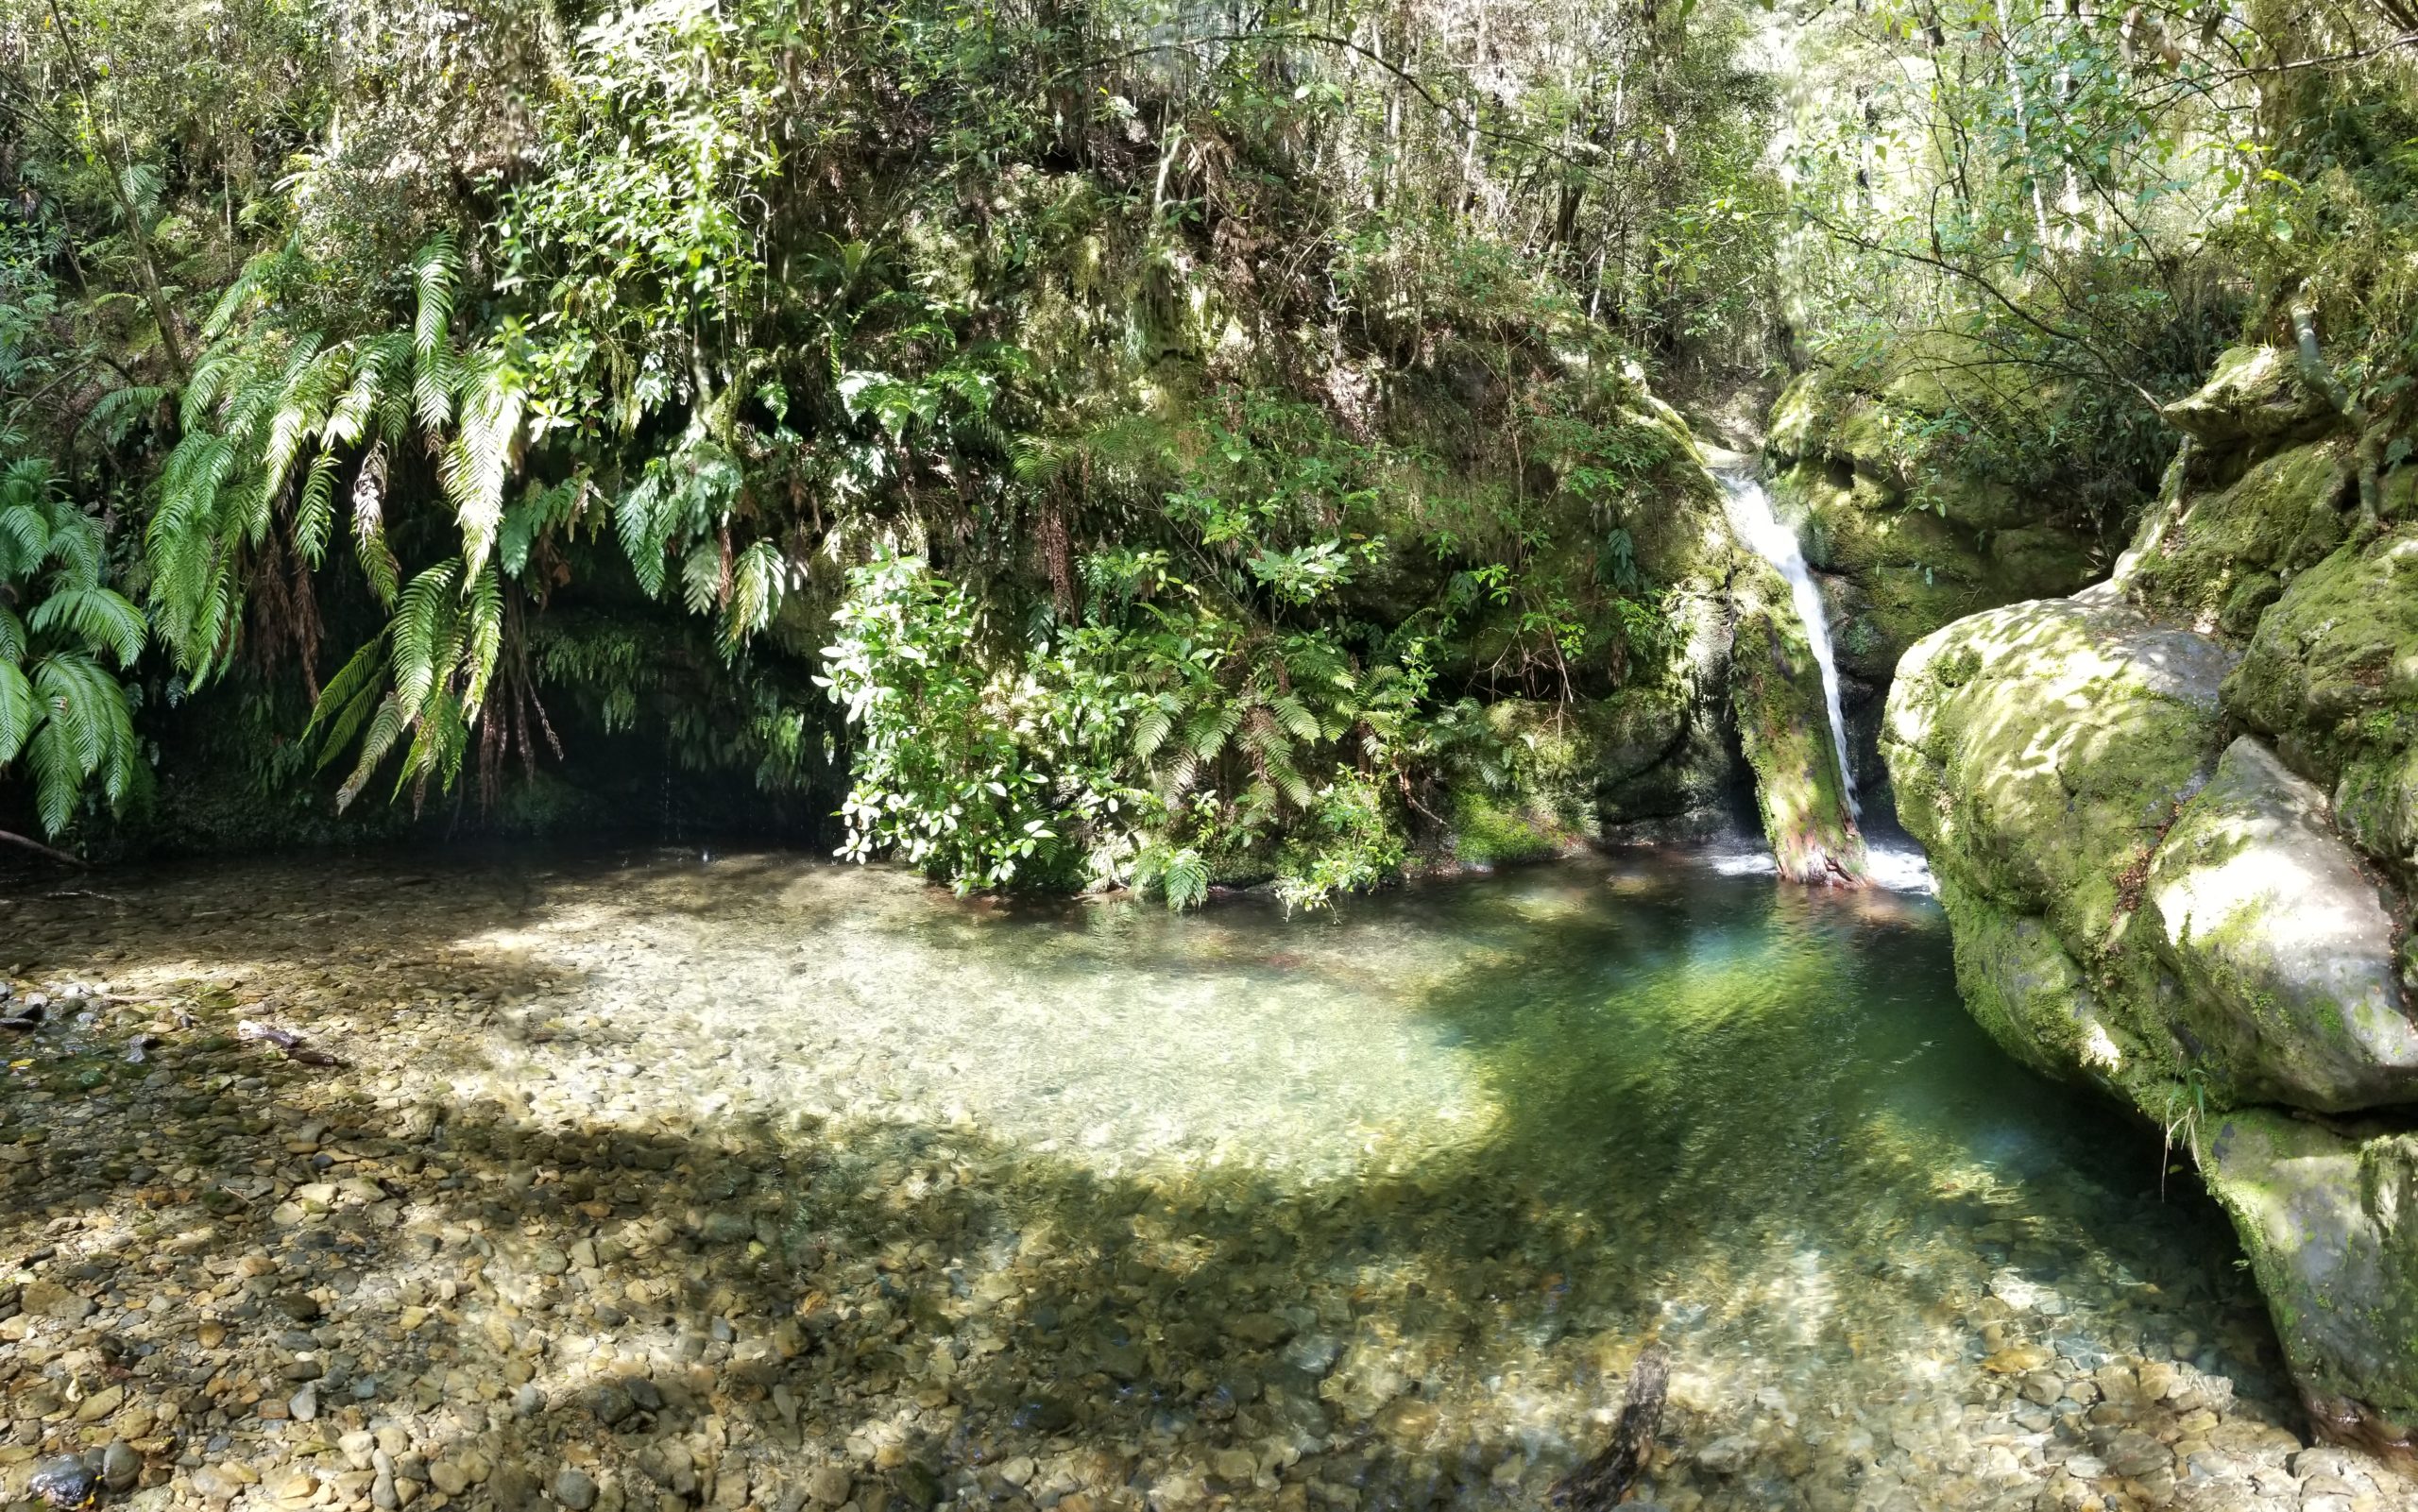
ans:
(1785, 726)
(1903, 552)
(2209, 924)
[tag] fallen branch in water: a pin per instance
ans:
(1603, 1480)
(40, 849)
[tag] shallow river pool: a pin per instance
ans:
(766, 1181)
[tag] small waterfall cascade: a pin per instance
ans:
(1751, 517)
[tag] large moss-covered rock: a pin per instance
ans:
(2330, 1219)
(2253, 395)
(1584, 770)
(2283, 946)
(2219, 559)
(2039, 750)
(2145, 897)
(2022, 986)
(2331, 678)
(1784, 725)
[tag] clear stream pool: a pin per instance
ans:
(1086, 1205)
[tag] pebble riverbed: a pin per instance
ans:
(642, 1184)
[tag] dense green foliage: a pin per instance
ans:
(64, 713)
(1110, 444)
(1125, 394)
(2045, 220)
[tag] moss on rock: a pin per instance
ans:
(2331, 677)
(2221, 558)
(2039, 750)
(2330, 1220)
(2284, 948)
(1784, 725)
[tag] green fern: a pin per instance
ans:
(67, 719)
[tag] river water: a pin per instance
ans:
(1372, 1207)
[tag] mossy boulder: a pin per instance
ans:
(2218, 559)
(1916, 539)
(2331, 678)
(2039, 750)
(2144, 896)
(2184, 929)
(2253, 395)
(2022, 986)
(2284, 947)
(2330, 1219)
(1785, 726)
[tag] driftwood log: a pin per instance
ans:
(1604, 1480)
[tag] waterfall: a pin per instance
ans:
(1751, 517)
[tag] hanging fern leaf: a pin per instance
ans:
(98, 616)
(18, 710)
(314, 513)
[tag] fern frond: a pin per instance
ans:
(701, 577)
(485, 615)
(359, 676)
(1152, 728)
(435, 270)
(1187, 879)
(314, 513)
(386, 727)
(369, 526)
(18, 710)
(24, 539)
(423, 631)
(97, 616)
(759, 582)
(1208, 731)
(1295, 717)
(75, 545)
(634, 522)
(474, 466)
(114, 412)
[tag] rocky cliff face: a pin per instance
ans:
(2175, 817)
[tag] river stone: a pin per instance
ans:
(120, 1467)
(575, 1488)
(2330, 1224)
(2285, 948)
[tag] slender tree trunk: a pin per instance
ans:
(113, 158)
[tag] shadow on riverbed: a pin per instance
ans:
(1703, 1136)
